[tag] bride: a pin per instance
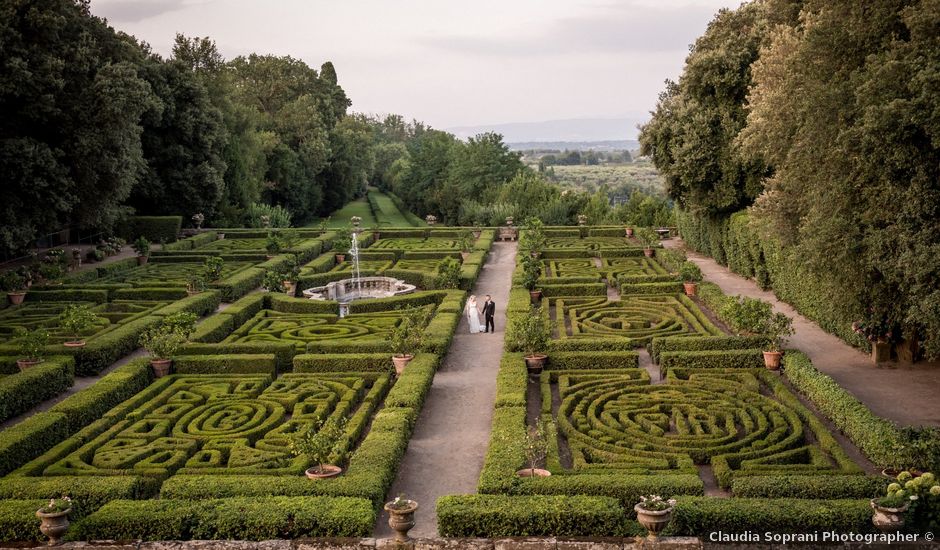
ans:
(473, 315)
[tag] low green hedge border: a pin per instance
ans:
(229, 519)
(704, 343)
(593, 360)
(18, 520)
(252, 363)
(717, 359)
(22, 391)
(809, 487)
(336, 362)
(513, 516)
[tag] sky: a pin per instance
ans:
(453, 63)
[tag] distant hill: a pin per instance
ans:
(573, 130)
(621, 145)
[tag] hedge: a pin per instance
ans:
(154, 228)
(718, 359)
(94, 402)
(591, 344)
(593, 360)
(704, 343)
(650, 288)
(287, 304)
(23, 391)
(358, 362)
(809, 486)
(245, 308)
(18, 520)
(102, 351)
(201, 304)
(88, 493)
(68, 295)
(283, 351)
(214, 329)
(514, 516)
(239, 284)
(30, 438)
(581, 289)
(701, 516)
(149, 294)
(229, 519)
(254, 363)
(411, 390)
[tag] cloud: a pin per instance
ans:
(134, 11)
(607, 29)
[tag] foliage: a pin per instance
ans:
(530, 331)
(746, 315)
(212, 268)
(409, 333)
(11, 281)
(465, 240)
(260, 215)
(690, 272)
(448, 274)
(162, 342)
(778, 327)
(533, 239)
(273, 280)
(76, 319)
(183, 322)
(531, 272)
(342, 243)
(32, 343)
(536, 443)
(142, 246)
(57, 505)
(656, 503)
(646, 236)
(274, 244)
(318, 442)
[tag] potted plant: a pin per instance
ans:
(691, 275)
(533, 238)
(778, 327)
(654, 513)
(448, 274)
(465, 241)
(878, 331)
(318, 443)
(401, 517)
(274, 244)
(198, 218)
(32, 347)
(275, 281)
(890, 509)
(531, 332)
(431, 219)
(15, 287)
(142, 247)
(289, 275)
(629, 231)
(647, 238)
(212, 269)
(54, 518)
(341, 244)
(195, 283)
(477, 231)
(536, 449)
(531, 272)
(407, 338)
(76, 320)
(183, 322)
(162, 343)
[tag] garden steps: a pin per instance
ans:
(446, 451)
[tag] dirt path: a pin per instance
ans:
(905, 393)
(446, 451)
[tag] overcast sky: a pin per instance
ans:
(453, 63)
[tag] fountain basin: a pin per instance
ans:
(347, 290)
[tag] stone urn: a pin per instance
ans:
(401, 518)
(54, 525)
(653, 520)
(290, 287)
(888, 520)
(649, 252)
(629, 231)
(401, 361)
(142, 260)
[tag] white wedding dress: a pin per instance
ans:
(473, 317)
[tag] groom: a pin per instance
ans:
(489, 309)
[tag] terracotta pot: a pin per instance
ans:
(535, 296)
(75, 344)
(880, 352)
(16, 298)
(649, 252)
(191, 292)
(653, 520)
(888, 520)
(533, 472)
(340, 258)
(54, 525)
(25, 364)
(690, 288)
(161, 367)
(401, 519)
(772, 359)
(893, 474)
(629, 231)
(535, 363)
(401, 361)
(328, 471)
(464, 255)
(142, 260)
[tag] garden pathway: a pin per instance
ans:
(903, 392)
(445, 454)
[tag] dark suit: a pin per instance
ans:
(489, 309)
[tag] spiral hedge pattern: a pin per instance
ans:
(431, 243)
(588, 243)
(727, 418)
(225, 424)
(234, 245)
(304, 328)
(168, 274)
(596, 268)
(640, 318)
(34, 315)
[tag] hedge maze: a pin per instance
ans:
(639, 318)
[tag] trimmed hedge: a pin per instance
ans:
(410, 391)
(258, 363)
(23, 391)
(513, 516)
(18, 521)
(593, 360)
(155, 228)
(201, 304)
(229, 519)
(68, 295)
(149, 294)
(650, 288)
(592, 344)
(214, 329)
(580, 289)
(359, 362)
(809, 487)
(30, 438)
(283, 351)
(700, 516)
(704, 343)
(239, 284)
(104, 350)
(88, 493)
(718, 359)
(94, 402)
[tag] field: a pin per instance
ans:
(619, 178)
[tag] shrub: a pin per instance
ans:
(142, 246)
(690, 272)
(259, 363)
(448, 274)
(23, 391)
(18, 520)
(808, 486)
(265, 215)
(160, 229)
(30, 438)
(716, 359)
(162, 342)
(530, 332)
(77, 319)
(32, 344)
(408, 335)
(745, 315)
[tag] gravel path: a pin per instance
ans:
(446, 451)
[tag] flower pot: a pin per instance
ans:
(880, 351)
(54, 525)
(535, 363)
(535, 296)
(690, 288)
(161, 367)
(464, 255)
(326, 472)
(74, 344)
(142, 260)
(653, 520)
(25, 364)
(290, 287)
(629, 231)
(340, 258)
(221, 236)
(772, 359)
(888, 520)
(649, 252)
(533, 472)
(401, 519)
(401, 361)
(191, 292)
(476, 234)
(535, 254)
(16, 298)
